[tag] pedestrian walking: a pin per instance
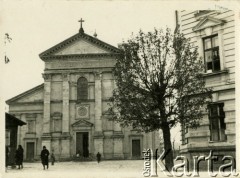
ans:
(52, 158)
(44, 157)
(98, 157)
(19, 157)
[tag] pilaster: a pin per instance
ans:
(65, 152)
(98, 102)
(47, 103)
(65, 106)
(98, 134)
(118, 141)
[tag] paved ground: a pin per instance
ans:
(106, 169)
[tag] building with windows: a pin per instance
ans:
(68, 112)
(213, 33)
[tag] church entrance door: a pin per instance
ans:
(82, 144)
(30, 151)
(136, 152)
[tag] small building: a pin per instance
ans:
(11, 128)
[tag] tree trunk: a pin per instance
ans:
(168, 147)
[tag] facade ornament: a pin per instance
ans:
(47, 77)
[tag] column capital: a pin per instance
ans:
(47, 77)
(65, 76)
(98, 75)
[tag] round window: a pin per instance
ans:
(82, 111)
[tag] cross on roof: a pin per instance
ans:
(81, 29)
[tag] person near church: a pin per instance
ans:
(52, 158)
(98, 157)
(44, 157)
(19, 157)
(6, 156)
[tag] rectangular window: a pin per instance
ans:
(211, 53)
(217, 124)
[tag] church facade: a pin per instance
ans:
(68, 112)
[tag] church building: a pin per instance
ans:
(68, 112)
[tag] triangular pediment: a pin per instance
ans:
(208, 22)
(33, 95)
(82, 123)
(80, 44)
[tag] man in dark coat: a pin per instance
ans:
(44, 157)
(19, 157)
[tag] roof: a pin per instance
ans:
(13, 121)
(25, 93)
(81, 35)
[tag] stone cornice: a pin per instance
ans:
(223, 87)
(40, 102)
(201, 13)
(77, 70)
(26, 111)
(77, 56)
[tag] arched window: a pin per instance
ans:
(82, 88)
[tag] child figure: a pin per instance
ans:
(52, 158)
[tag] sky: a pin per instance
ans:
(35, 26)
